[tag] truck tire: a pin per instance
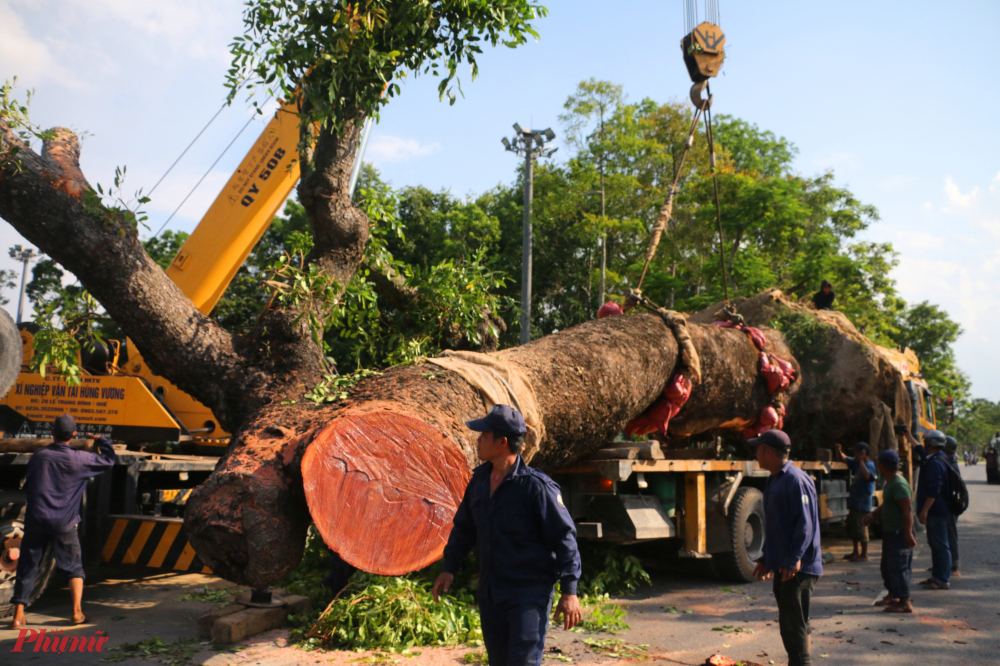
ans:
(11, 529)
(746, 531)
(10, 352)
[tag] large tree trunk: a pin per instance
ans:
(384, 478)
(847, 381)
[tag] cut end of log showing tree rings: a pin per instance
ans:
(383, 488)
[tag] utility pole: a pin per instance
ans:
(531, 144)
(25, 256)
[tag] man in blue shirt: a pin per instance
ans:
(933, 509)
(791, 542)
(526, 541)
(54, 481)
(950, 452)
(859, 502)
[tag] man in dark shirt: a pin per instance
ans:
(950, 452)
(526, 541)
(55, 480)
(933, 509)
(791, 542)
(823, 299)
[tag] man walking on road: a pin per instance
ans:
(933, 509)
(526, 542)
(898, 541)
(859, 502)
(791, 542)
(54, 481)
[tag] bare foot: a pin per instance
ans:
(79, 618)
(860, 558)
(18, 623)
(899, 608)
(887, 601)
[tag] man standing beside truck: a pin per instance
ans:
(791, 542)
(898, 541)
(55, 480)
(525, 539)
(933, 508)
(859, 502)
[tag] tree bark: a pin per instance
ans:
(385, 477)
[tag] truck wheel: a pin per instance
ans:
(746, 530)
(11, 532)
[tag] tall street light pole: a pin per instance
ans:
(25, 256)
(530, 144)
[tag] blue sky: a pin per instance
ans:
(898, 98)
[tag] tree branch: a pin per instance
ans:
(45, 198)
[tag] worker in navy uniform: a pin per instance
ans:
(526, 541)
(54, 482)
(950, 451)
(791, 542)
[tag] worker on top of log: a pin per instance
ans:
(823, 299)
(526, 542)
(859, 502)
(54, 481)
(791, 542)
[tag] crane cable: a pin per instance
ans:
(718, 207)
(666, 212)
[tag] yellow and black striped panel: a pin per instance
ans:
(147, 541)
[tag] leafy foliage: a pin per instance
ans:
(175, 653)
(341, 56)
(610, 569)
(17, 115)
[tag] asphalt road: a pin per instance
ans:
(957, 626)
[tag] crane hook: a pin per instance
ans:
(696, 99)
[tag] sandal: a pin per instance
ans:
(934, 585)
(896, 608)
(887, 601)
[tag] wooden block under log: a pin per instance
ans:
(649, 450)
(630, 453)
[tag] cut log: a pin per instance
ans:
(847, 383)
(383, 480)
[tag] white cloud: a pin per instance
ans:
(952, 258)
(387, 148)
(27, 57)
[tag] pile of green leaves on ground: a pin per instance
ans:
(176, 653)
(398, 613)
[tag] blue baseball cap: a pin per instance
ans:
(776, 439)
(889, 458)
(502, 418)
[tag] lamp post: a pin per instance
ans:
(530, 144)
(25, 256)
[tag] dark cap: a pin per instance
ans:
(63, 427)
(889, 458)
(861, 446)
(776, 439)
(502, 418)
